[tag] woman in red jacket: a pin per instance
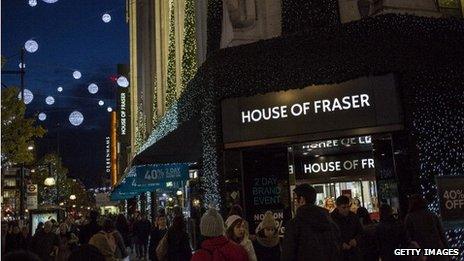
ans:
(216, 246)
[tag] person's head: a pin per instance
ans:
(236, 228)
(121, 220)
(178, 224)
(93, 215)
(236, 210)
(161, 221)
(304, 194)
(416, 203)
(20, 255)
(364, 216)
(211, 224)
(329, 203)
(63, 228)
(343, 205)
(108, 225)
(386, 212)
(48, 226)
(86, 252)
(268, 226)
(16, 229)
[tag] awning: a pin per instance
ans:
(145, 178)
(179, 146)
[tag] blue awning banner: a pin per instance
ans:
(145, 178)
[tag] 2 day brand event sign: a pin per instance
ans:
(359, 103)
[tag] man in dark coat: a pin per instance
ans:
(45, 243)
(142, 229)
(311, 235)
(87, 231)
(350, 229)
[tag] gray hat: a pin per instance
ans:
(212, 224)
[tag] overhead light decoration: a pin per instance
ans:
(77, 75)
(76, 118)
(50, 1)
(32, 3)
(93, 88)
(49, 100)
(59, 89)
(106, 18)
(101, 102)
(109, 109)
(123, 82)
(31, 46)
(28, 96)
(42, 116)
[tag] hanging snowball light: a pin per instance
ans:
(93, 88)
(59, 89)
(122, 81)
(42, 116)
(28, 96)
(76, 118)
(31, 46)
(50, 1)
(101, 103)
(77, 75)
(109, 109)
(106, 18)
(32, 3)
(49, 100)
(21, 65)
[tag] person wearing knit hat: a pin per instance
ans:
(237, 231)
(216, 246)
(267, 244)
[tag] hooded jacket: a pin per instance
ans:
(311, 235)
(220, 248)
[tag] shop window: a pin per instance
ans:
(9, 182)
(451, 8)
(9, 193)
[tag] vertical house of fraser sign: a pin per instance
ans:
(366, 102)
(123, 122)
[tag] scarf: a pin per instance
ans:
(269, 242)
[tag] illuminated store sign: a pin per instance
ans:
(360, 103)
(108, 155)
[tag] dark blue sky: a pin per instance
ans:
(71, 36)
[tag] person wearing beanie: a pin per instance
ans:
(267, 244)
(216, 246)
(311, 234)
(237, 231)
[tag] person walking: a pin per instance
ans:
(350, 229)
(90, 229)
(109, 242)
(178, 245)
(237, 231)
(14, 239)
(390, 234)
(367, 242)
(311, 234)
(216, 246)
(67, 242)
(141, 232)
(157, 232)
(267, 243)
(123, 228)
(45, 243)
(424, 228)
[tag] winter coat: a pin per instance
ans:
(265, 251)
(220, 249)
(123, 229)
(44, 245)
(311, 235)
(390, 235)
(155, 237)
(350, 228)
(368, 243)
(121, 251)
(142, 231)
(106, 244)
(14, 242)
(178, 246)
(248, 246)
(87, 231)
(425, 228)
(67, 243)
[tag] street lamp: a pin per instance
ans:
(30, 147)
(50, 181)
(72, 197)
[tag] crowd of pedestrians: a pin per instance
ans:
(337, 231)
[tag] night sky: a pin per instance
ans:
(71, 36)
